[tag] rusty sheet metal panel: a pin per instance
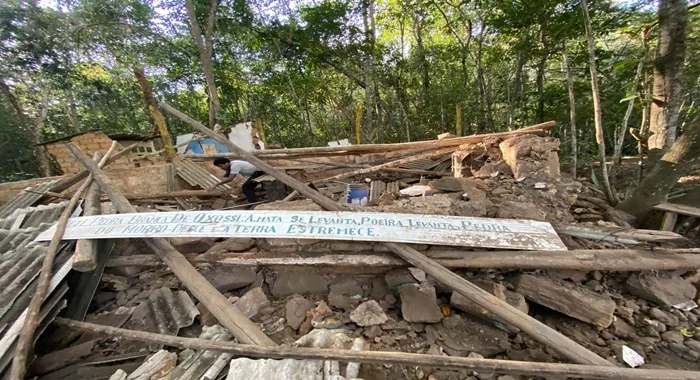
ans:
(164, 312)
(325, 225)
(26, 198)
(196, 176)
(203, 364)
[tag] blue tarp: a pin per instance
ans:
(195, 147)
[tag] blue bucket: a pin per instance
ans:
(358, 195)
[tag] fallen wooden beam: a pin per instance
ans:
(379, 167)
(85, 256)
(383, 148)
(534, 328)
(385, 357)
(230, 317)
(175, 194)
(621, 260)
(619, 235)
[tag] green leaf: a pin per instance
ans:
(628, 98)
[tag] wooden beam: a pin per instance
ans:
(175, 194)
(386, 357)
(620, 260)
(85, 256)
(669, 221)
(536, 329)
(152, 108)
(437, 153)
(230, 317)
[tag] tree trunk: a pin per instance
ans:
(367, 69)
(621, 132)
(204, 46)
(37, 133)
(682, 158)
(642, 141)
(75, 123)
(379, 104)
(598, 114)
(418, 34)
(152, 109)
(517, 85)
(668, 75)
(572, 113)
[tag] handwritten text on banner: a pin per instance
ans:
(378, 227)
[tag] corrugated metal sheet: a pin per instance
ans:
(26, 198)
(195, 175)
(203, 364)
(424, 164)
(164, 312)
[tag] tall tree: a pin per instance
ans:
(597, 109)
(572, 112)
(205, 48)
(668, 75)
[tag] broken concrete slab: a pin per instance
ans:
(307, 283)
(232, 245)
(187, 244)
(532, 157)
(252, 302)
(227, 278)
(295, 310)
(520, 210)
(567, 298)
(662, 289)
(398, 277)
(419, 303)
(368, 314)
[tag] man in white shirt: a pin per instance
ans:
(235, 168)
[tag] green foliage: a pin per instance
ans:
(302, 67)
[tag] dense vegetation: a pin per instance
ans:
(307, 67)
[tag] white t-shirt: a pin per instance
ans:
(243, 168)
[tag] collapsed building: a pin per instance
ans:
(484, 261)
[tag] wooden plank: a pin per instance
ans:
(85, 257)
(669, 221)
(567, 298)
(230, 317)
(620, 260)
(679, 209)
(386, 357)
(619, 235)
(536, 329)
(341, 225)
(62, 358)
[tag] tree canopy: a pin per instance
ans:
(306, 68)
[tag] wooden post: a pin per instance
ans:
(261, 131)
(536, 329)
(358, 124)
(458, 119)
(155, 113)
(230, 317)
(559, 370)
(85, 256)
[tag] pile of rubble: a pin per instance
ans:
(346, 296)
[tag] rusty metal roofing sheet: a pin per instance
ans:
(195, 175)
(203, 364)
(164, 312)
(26, 198)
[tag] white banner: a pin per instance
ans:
(358, 226)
